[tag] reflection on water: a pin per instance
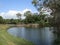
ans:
(57, 35)
(39, 36)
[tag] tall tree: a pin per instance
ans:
(37, 4)
(28, 16)
(54, 5)
(19, 15)
(27, 13)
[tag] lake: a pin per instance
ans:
(38, 36)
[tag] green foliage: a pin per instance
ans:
(1, 19)
(19, 15)
(37, 4)
(35, 18)
(30, 18)
(54, 5)
(10, 21)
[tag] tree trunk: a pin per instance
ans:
(57, 18)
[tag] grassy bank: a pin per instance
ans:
(7, 39)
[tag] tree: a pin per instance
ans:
(27, 13)
(37, 4)
(19, 15)
(54, 5)
(28, 16)
(1, 19)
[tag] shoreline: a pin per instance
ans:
(24, 25)
(10, 39)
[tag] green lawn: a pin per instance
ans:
(7, 39)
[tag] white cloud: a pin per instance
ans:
(12, 13)
(26, 10)
(46, 10)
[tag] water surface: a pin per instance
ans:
(39, 36)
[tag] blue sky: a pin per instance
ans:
(9, 8)
(6, 5)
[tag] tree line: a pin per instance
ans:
(30, 18)
(38, 18)
(8, 21)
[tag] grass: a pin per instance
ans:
(7, 39)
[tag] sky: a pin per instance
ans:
(8, 8)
